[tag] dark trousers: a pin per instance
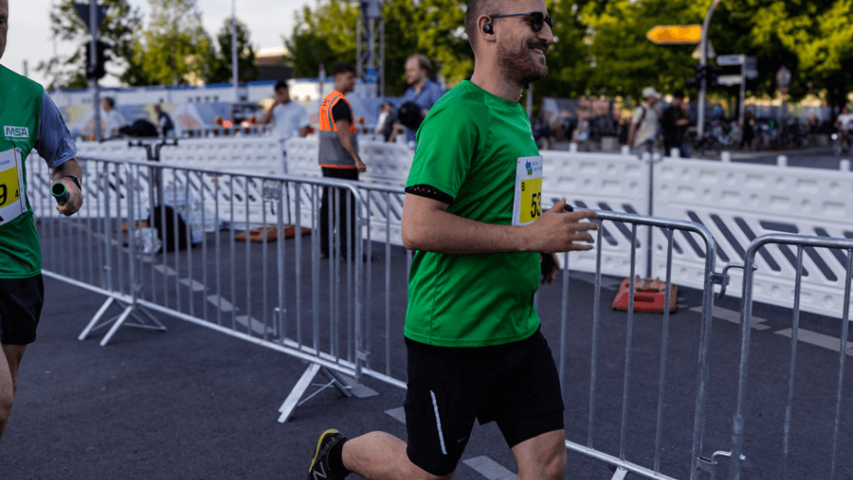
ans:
(346, 238)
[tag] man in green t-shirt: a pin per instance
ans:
(473, 214)
(29, 120)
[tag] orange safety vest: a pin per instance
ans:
(332, 154)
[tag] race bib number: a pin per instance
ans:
(527, 206)
(12, 204)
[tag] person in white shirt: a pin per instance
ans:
(288, 118)
(644, 125)
(112, 119)
(844, 124)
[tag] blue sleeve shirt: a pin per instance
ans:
(430, 93)
(54, 143)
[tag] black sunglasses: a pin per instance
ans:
(537, 19)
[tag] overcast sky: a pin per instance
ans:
(30, 39)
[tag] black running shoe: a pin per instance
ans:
(320, 469)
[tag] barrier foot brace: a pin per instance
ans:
(144, 321)
(292, 401)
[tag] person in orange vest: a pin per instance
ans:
(338, 155)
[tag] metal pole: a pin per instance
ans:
(704, 61)
(93, 55)
(742, 109)
(234, 71)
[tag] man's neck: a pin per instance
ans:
(491, 79)
(419, 85)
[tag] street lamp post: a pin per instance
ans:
(93, 56)
(234, 71)
(703, 61)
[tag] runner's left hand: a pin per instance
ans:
(75, 198)
(550, 267)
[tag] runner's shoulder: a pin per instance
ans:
(18, 85)
(462, 104)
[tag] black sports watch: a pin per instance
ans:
(76, 180)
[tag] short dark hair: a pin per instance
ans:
(110, 102)
(423, 62)
(281, 84)
(678, 94)
(342, 68)
(472, 13)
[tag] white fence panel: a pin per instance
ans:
(739, 202)
(607, 182)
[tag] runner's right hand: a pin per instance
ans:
(558, 231)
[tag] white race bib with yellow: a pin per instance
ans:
(527, 207)
(12, 203)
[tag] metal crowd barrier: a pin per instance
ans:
(340, 316)
(739, 429)
(273, 295)
(619, 460)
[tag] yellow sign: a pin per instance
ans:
(675, 34)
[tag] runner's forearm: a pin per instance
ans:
(71, 167)
(428, 228)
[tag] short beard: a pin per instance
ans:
(519, 67)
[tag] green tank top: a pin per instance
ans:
(20, 110)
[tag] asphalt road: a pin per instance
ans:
(194, 403)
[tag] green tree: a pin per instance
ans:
(220, 69)
(325, 35)
(174, 49)
(569, 56)
(118, 29)
(622, 59)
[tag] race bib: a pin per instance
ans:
(12, 203)
(527, 206)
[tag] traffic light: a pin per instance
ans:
(101, 58)
(711, 76)
(706, 72)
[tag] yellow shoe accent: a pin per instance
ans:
(330, 431)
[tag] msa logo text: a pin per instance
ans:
(16, 132)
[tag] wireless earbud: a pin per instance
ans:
(487, 28)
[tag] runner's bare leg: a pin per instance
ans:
(9, 362)
(381, 456)
(542, 457)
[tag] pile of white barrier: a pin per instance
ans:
(738, 202)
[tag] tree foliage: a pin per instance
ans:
(324, 35)
(220, 68)
(118, 28)
(174, 49)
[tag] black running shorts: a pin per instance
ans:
(21, 300)
(515, 385)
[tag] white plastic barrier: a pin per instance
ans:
(251, 154)
(607, 182)
(111, 149)
(739, 202)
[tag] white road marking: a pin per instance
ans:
(398, 414)
(257, 326)
(165, 270)
(734, 317)
(220, 302)
(817, 339)
(489, 468)
(195, 285)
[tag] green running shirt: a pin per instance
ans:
(28, 119)
(477, 149)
